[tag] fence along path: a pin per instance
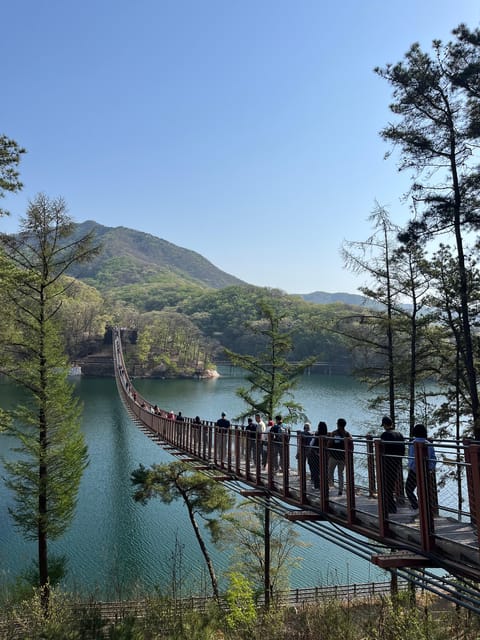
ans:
(443, 534)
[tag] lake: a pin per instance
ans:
(115, 545)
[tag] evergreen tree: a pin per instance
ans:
(436, 102)
(10, 154)
(396, 330)
(271, 376)
(203, 497)
(52, 454)
(374, 257)
(445, 299)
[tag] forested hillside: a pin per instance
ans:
(185, 310)
(130, 257)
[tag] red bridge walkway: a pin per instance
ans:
(436, 548)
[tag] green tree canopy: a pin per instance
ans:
(271, 376)
(52, 454)
(203, 496)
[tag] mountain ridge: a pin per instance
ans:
(132, 257)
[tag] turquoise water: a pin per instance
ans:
(114, 544)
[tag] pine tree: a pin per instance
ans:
(271, 376)
(436, 106)
(203, 496)
(52, 454)
(10, 155)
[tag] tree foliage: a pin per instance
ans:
(270, 375)
(203, 496)
(398, 331)
(436, 106)
(10, 156)
(52, 454)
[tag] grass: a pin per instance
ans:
(373, 619)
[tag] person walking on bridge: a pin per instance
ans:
(262, 431)
(419, 435)
(393, 452)
(336, 454)
(304, 441)
(314, 453)
(223, 425)
(278, 430)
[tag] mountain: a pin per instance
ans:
(138, 264)
(132, 257)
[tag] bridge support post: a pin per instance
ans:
(425, 499)
(323, 472)
(472, 458)
(381, 494)
(302, 468)
(350, 480)
(371, 466)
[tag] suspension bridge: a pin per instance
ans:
(435, 548)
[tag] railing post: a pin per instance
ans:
(286, 463)
(240, 445)
(472, 458)
(270, 459)
(302, 467)
(350, 480)
(258, 457)
(371, 466)
(210, 440)
(381, 492)
(323, 472)
(217, 444)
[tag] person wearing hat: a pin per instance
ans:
(280, 438)
(251, 436)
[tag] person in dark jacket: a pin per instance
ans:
(314, 453)
(223, 426)
(336, 454)
(419, 435)
(278, 430)
(393, 452)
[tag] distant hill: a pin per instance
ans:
(133, 257)
(321, 297)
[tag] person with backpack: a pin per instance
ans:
(314, 453)
(419, 435)
(251, 435)
(278, 430)
(336, 454)
(393, 452)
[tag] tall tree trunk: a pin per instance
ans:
(203, 548)
(467, 347)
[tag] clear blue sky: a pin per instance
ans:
(245, 130)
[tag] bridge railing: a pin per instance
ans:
(290, 467)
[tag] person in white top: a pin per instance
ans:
(262, 429)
